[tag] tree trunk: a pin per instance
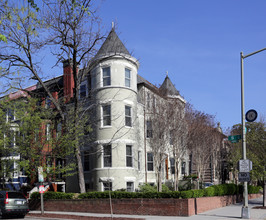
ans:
(264, 192)
(176, 176)
(159, 187)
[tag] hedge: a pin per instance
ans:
(215, 190)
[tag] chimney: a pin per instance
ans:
(68, 79)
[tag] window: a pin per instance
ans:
(129, 156)
(107, 186)
(150, 161)
(148, 100)
(58, 130)
(93, 79)
(48, 132)
(10, 115)
(130, 187)
(139, 158)
(83, 90)
(172, 165)
(149, 129)
(183, 168)
(48, 102)
(107, 156)
(127, 77)
(86, 161)
(106, 110)
(106, 76)
(128, 116)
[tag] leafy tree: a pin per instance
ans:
(32, 143)
(256, 149)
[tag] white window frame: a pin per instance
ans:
(128, 116)
(127, 78)
(172, 165)
(107, 115)
(129, 156)
(150, 161)
(131, 187)
(106, 77)
(139, 160)
(107, 155)
(110, 187)
(149, 130)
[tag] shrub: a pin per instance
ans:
(210, 191)
(52, 195)
(186, 194)
(145, 188)
(218, 190)
(253, 189)
(150, 192)
(198, 193)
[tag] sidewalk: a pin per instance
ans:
(228, 212)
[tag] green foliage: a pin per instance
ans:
(256, 148)
(197, 193)
(3, 38)
(27, 124)
(210, 191)
(186, 194)
(224, 189)
(53, 195)
(254, 189)
(147, 188)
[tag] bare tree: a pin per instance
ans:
(70, 29)
(202, 139)
(178, 134)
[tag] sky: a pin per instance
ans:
(199, 44)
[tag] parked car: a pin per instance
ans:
(206, 185)
(13, 204)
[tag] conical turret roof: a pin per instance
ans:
(168, 88)
(112, 45)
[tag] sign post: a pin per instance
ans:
(41, 187)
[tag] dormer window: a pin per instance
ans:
(106, 76)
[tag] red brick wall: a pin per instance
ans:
(162, 207)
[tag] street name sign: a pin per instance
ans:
(234, 138)
(243, 177)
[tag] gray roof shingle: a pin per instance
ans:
(112, 45)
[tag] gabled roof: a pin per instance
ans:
(168, 88)
(112, 45)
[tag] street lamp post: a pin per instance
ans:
(245, 209)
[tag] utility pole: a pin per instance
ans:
(245, 210)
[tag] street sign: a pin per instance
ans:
(40, 174)
(243, 177)
(234, 138)
(245, 166)
(41, 189)
(251, 115)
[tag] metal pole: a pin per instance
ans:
(245, 209)
(42, 208)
